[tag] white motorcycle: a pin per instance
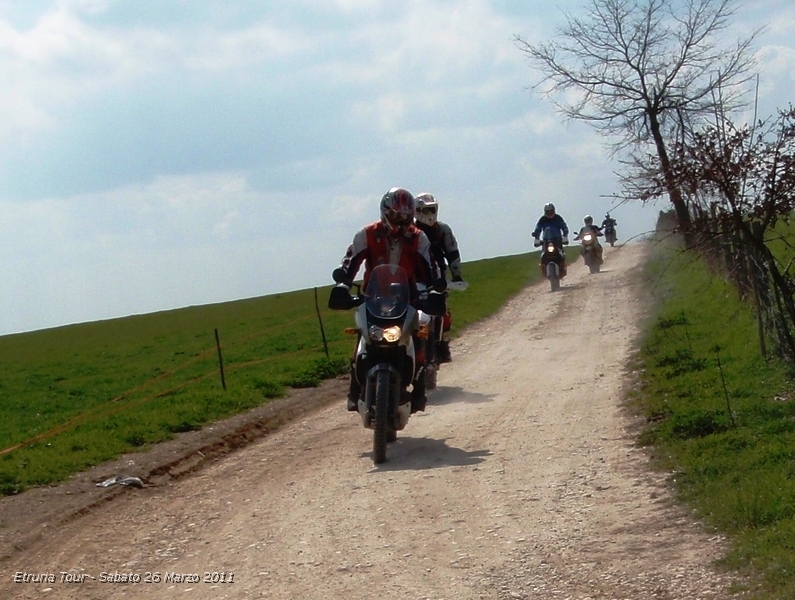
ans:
(591, 251)
(385, 354)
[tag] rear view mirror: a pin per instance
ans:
(340, 298)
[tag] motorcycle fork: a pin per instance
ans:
(369, 395)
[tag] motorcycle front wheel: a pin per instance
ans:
(553, 276)
(381, 424)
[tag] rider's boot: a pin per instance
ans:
(418, 397)
(443, 352)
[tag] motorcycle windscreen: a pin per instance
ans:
(387, 293)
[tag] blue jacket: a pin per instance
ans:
(553, 221)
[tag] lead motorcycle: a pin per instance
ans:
(385, 361)
(553, 259)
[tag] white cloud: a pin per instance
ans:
(159, 157)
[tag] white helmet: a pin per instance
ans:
(427, 208)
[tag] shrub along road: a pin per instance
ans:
(520, 481)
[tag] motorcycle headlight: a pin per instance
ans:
(390, 334)
(551, 248)
(587, 238)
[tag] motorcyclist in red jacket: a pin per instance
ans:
(394, 239)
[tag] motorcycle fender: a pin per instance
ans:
(552, 270)
(365, 406)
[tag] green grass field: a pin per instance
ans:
(75, 396)
(720, 418)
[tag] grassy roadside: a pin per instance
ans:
(75, 396)
(720, 418)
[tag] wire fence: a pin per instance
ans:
(126, 401)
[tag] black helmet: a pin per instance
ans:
(549, 209)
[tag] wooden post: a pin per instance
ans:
(220, 358)
(322, 331)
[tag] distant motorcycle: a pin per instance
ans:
(591, 253)
(385, 353)
(553, 260)
(610, 234)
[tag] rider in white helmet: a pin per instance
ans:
(445, 250)
(589, 226)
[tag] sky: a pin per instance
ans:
(165, 153)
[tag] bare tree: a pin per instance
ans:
(646, 71)
(741, 186)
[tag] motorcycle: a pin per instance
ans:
(431, 332)
(591, 252)
(553, 260)
(610, 235)
(385, 362)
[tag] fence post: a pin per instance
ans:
(322, 331)
(220, 358)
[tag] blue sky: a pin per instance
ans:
(164, 153)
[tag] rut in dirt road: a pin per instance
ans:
(519, 481)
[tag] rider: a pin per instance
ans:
(551, 219)
(609, 222)
(597, 232)
(444, 247)
(392, 240)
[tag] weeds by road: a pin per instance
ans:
(721, 418)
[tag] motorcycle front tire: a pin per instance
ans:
(553, 276)
(381, 424)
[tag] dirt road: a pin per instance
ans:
(520, 481)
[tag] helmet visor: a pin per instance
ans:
(398, 219)
(427, 210)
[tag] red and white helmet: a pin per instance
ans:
(397, 210)
(427, 209)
